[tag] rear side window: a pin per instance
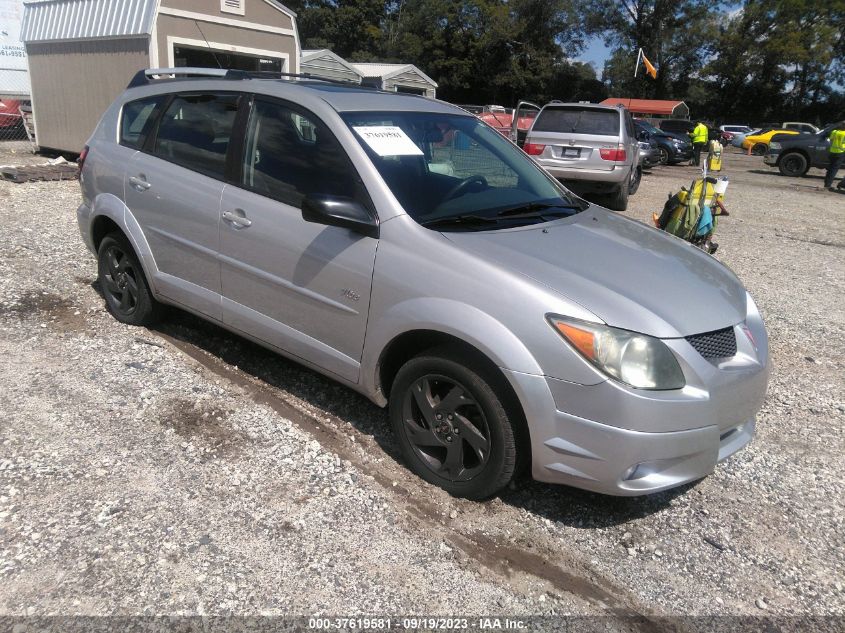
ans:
(136, 120)
(578, 121)
(195, 130)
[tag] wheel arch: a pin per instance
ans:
(110, 214)
(412, 343)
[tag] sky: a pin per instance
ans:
(595, 53)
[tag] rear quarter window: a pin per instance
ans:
(578, 121)
(136, 120)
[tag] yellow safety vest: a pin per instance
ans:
(699, 134)
(837, 141)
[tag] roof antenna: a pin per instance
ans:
(217, 61)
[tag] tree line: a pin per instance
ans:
(752, 61)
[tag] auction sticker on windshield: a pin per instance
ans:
(388, 140)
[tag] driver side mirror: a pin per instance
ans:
(342, 212)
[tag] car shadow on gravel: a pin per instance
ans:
(775, 172)
(587, 510)
(279, 373)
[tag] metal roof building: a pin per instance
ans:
(397, 78)
(82, 53)
(651, 107)
(324, 63)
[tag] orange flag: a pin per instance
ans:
(649, 67)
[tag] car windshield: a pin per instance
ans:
(453, 172)
(648, 127)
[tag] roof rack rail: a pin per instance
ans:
(145, 77)
(275, 74)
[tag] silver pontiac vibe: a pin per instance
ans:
(407, 250)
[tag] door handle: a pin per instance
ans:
(139, 182)
(236, 217)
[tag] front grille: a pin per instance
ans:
(718, 344)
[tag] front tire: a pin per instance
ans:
(664, 156)
(793, 164)
(122, 281)
(759, 149)
(453, 428)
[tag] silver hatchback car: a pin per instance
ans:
(409, 251)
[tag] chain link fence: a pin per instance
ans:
(16, 121)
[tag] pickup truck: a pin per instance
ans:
(794, 154)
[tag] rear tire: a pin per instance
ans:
(618, 200)
(453, 428)
(793, 164)
(635, 183)
(664, 156)
(123, 283)
(759, 149)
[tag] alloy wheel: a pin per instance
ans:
(446, 427)
(120, 281)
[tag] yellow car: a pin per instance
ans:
(759, 143)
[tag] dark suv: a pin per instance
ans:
(676, 126)
(673, 148)
(794, 154)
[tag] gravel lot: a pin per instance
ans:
(182, 470)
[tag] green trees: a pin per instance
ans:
(479, 51)
(749, 61)
(674, 35)
(779, 59)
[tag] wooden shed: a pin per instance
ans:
(397, 78)
(324, 63)
(82, 53)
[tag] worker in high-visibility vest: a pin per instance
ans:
(699, 140)
(836, 154)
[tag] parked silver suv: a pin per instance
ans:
(591, 148)
(408, 250)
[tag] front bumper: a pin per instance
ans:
(650, 158)
(679, 154)
(771, 158)
(616, 440)
(567, 449)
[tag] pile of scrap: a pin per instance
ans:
(58, 169)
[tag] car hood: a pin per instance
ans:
(629, 275)
(678, 137)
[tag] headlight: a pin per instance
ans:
(638, 360)
(774, 145)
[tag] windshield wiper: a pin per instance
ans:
(451, 220)
(544, 208)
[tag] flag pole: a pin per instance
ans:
(637, 67)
